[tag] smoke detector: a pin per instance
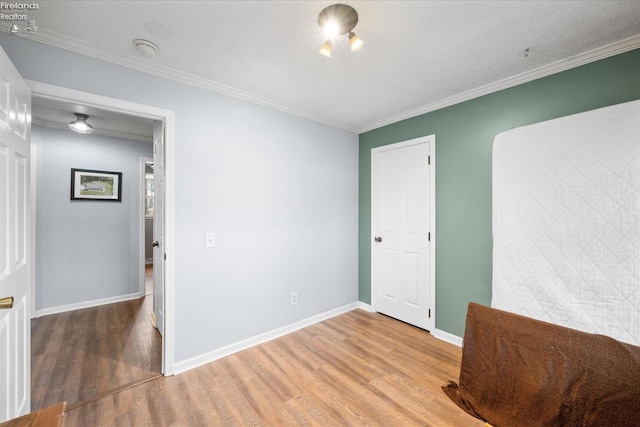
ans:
(145, 47)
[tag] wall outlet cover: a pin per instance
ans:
(209, 240)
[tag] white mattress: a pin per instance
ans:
(566, 221)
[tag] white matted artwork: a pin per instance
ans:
(87, 184)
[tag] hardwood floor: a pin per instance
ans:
(355, 369)
(47, 417)
(85, 353)
(148, 279)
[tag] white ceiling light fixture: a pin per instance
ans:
(325, 50)
(355, 42)
(80, 124)
(337, 20)
(146, 48)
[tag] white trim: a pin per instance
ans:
(446, 336)
(77, 46)
(33, 165)
(431, 140)
(142, 185)
(403, 144)
(437, 333)
(228, 350)
(168, 353)
(86, 304)
(47, 91)
(432, 228)
(59, 93)
(547, 70)
(73, 45)
(365, 307)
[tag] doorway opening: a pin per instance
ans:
(165, 119)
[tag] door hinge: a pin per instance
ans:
(429, 313)
(165, 257)
(428, 160)
(429, 236)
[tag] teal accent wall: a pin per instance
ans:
(464, 139)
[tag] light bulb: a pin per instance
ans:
(331, 29)
(325, 50)
(80, 125)
(355, 42)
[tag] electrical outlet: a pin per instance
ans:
(294, 298)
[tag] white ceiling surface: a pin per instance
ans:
(417, 56)
(58, 114)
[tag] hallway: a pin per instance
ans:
(79, 355)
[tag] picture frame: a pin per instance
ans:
(96, 185)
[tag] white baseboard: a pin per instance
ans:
(441, 335)
(211, 356)
(446, 336)
(365, 306)
(86, 304)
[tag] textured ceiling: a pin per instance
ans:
(57, 114)
(418, 55)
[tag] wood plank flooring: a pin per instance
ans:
(80, 354)
(47, 417)
(355, 369)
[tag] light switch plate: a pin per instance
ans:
(209, 240)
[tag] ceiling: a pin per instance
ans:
(57, 114)
(418, 55)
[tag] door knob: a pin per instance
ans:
(377, 239)
(6, 302)
(155, 244)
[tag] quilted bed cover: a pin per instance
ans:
(566, 221)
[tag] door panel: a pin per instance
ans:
(15, 233)
(20, 218)
(4, 210)
(158, 225)
(5, 365)
(390, 274)
(400, 220)
(413, 283)
(23, 359)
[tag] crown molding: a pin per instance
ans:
(71, 44)
(554, 68)
(74, 45)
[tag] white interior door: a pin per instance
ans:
(401, 236)
(15, 242)
(158, 225)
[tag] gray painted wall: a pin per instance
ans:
(85, 250)
(280, 192)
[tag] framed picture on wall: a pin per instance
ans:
(89, 184)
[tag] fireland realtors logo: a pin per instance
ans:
(17, 12)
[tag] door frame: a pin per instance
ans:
(58, 93)
(143, 222)
(431, 140)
